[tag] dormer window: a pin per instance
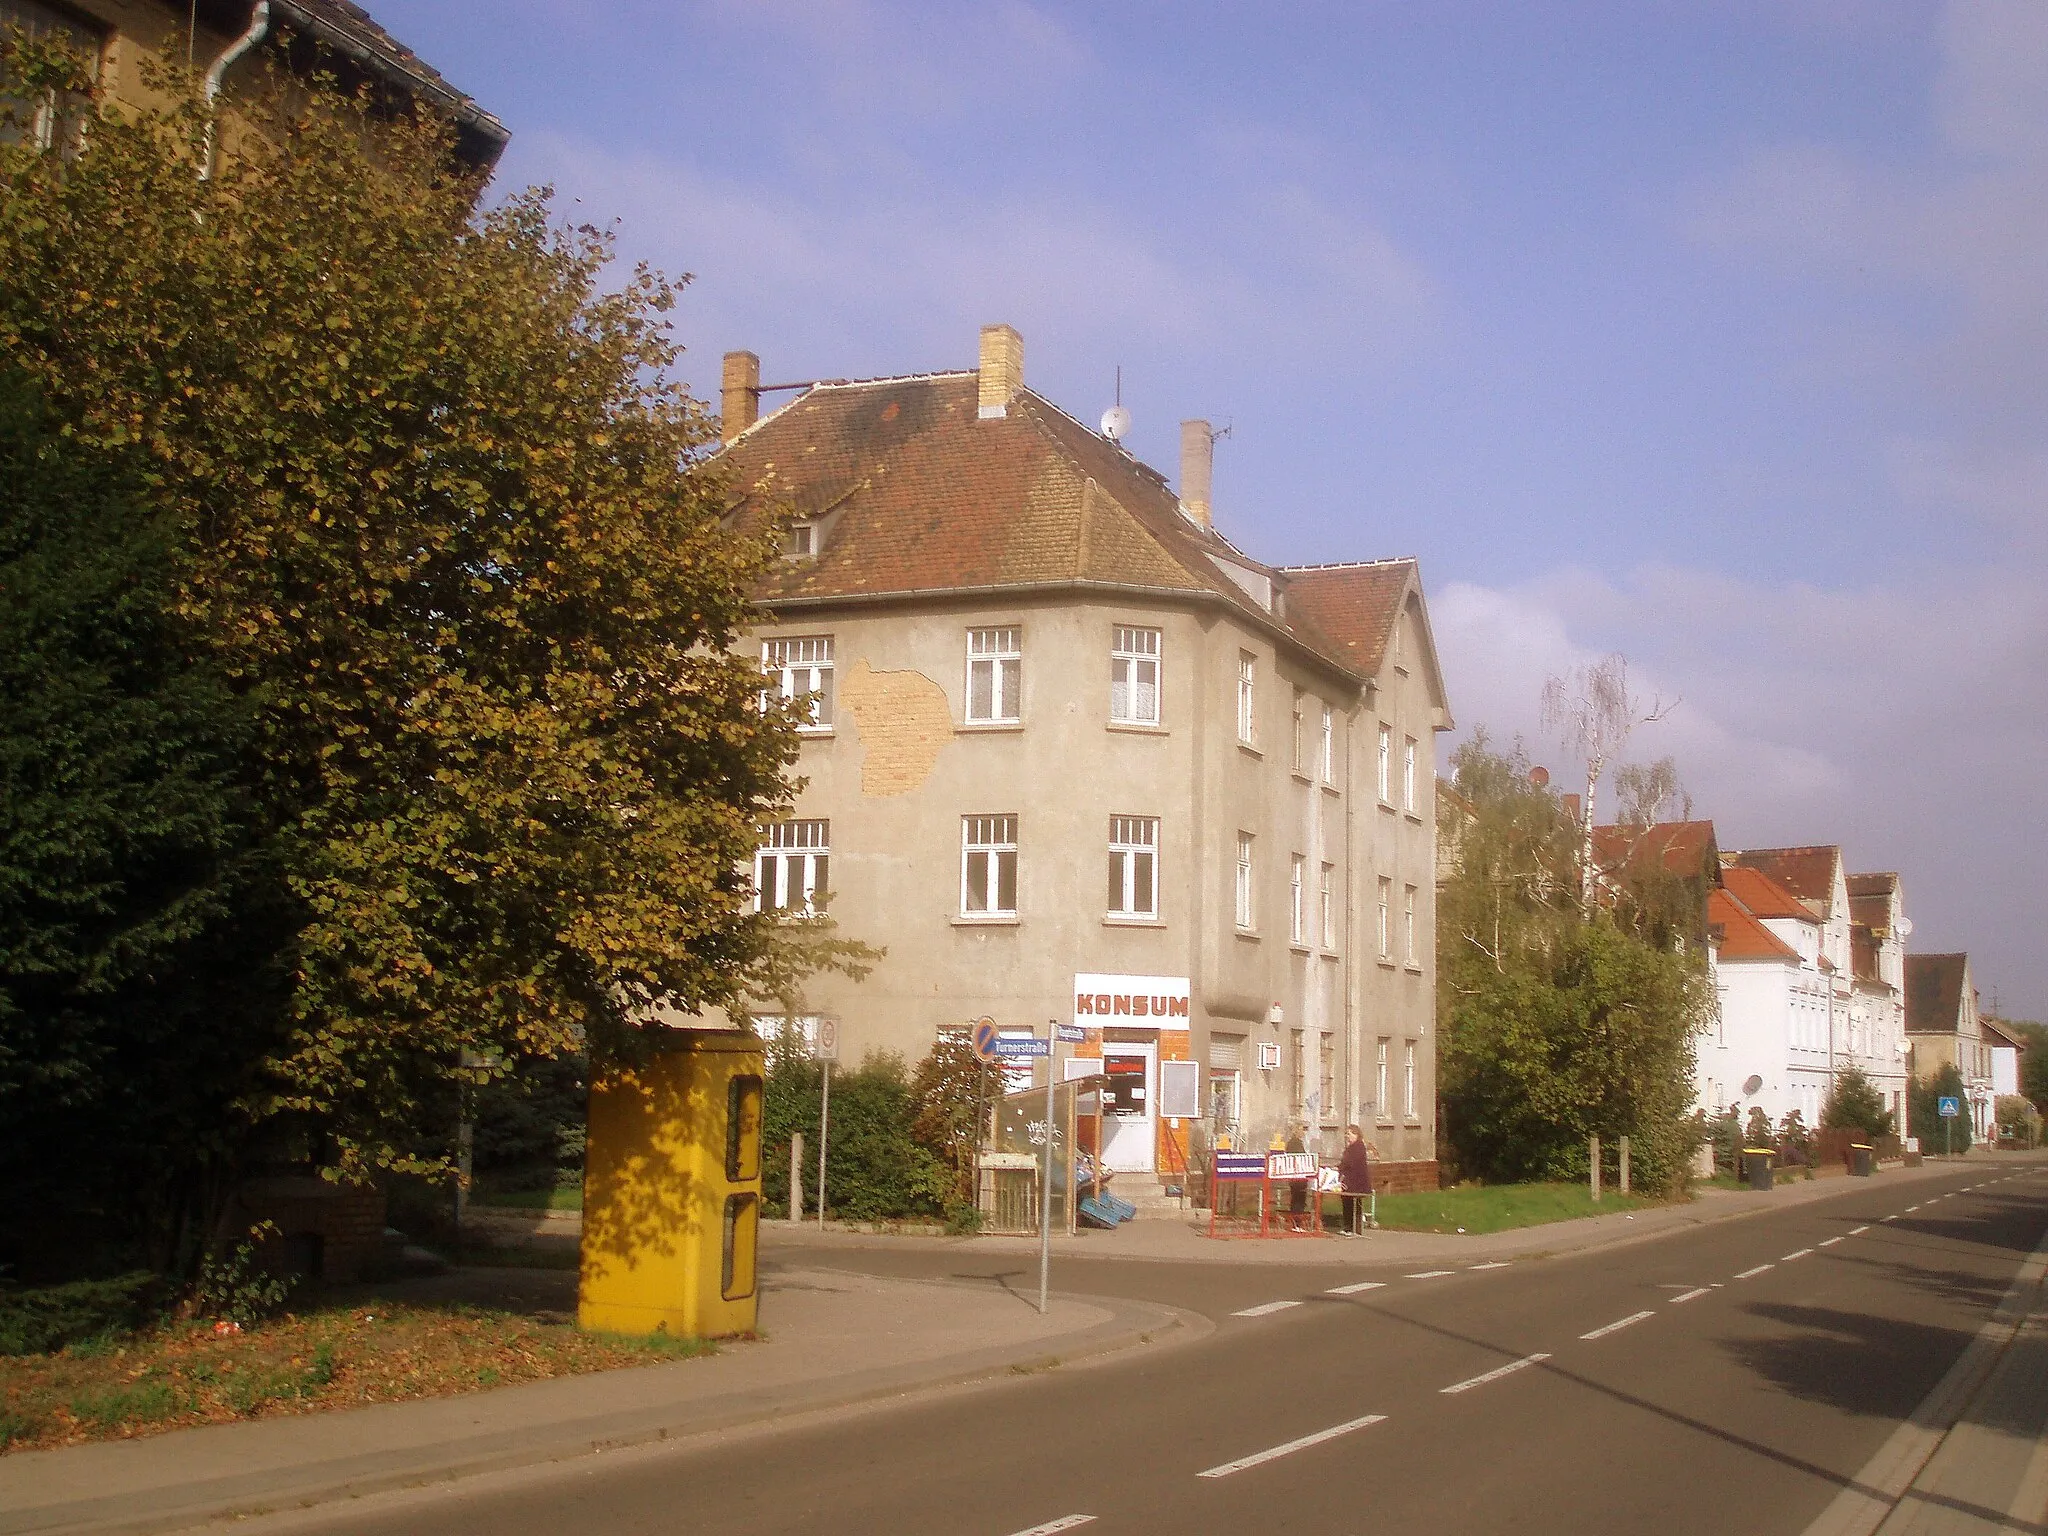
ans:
(803, 541)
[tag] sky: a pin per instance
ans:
(1709, 333)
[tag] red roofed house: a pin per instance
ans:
(1768, 1047)
(1076, 756)
(1946, 1030)
(1876, 1041)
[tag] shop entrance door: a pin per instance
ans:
(1128, 1113)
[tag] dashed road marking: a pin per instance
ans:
(1796, 1253)
(1829, 1242)
(1858, 1231)
(1495, 1374)
(1689, 1295)
(1888, 1218)
(1912, 1208)
(1430, 1274)
(1747, 1273)
(1495, 1264)
(1355, 1287)
(1266, 1308)
(1616, 1327)
(1259, 1458)
(1064, 1523)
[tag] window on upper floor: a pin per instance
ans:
(1297, 900)
(1382, 1102)
(1295, 759)
(1326, 906)
(1134, 676)
(1244, 882)
(800, 668)
(803, 541)
(988, 866)
(995, 676)
(1408, 774)
(1386, 765)
(1133, 866)
(792, 866)
(1247, 698)
(1408, 1083)
(51, 121)
(1386, 918)
(1326, 759)
(1409, 942)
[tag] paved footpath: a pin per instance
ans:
(833, 1339)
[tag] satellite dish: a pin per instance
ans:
(1750, 1085)
(1905, 927)
(1116, 421)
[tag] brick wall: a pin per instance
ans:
(337, 1228)
(1416, 1178)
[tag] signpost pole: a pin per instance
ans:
(824, 1112)
(1045, 1189)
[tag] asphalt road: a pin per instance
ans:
(1729, 1379)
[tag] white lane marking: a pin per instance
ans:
(1266, 1308)
(1495, 1374)
(1829, 1242)
(1065, 1523)
(1912, 1207)
(1796, 1253)
(1616, 1327)
(1858, 1231)
(1355, 1287)
(1261, 1457)
(1689, 1295)
(1496, 1264)
(1888, 1218)
(1430, 1274)
(1757, 1271)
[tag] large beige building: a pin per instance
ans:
(1076, 757)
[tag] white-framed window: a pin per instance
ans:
(1297, 900)
(803, 541)
(1326, 905)
(1244, 882)
(1382, 1094)
(988, 866)
(1328, 756)
(792, 866)
(1408, 774)
(1408, 1079)
(1386, 914)
(801, 667)
(1296, 760)
(1409, 951)
(1297, 1087)
(1133, 866)
(1386, 774)
(1326, 1080)
(1134, 676)
(995, 675)
(1247, 698)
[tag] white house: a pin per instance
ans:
(1774, 987)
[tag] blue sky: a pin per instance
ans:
(1712, 333)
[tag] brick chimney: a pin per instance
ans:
(739, 394)
(1197, 461)
(1002, 369)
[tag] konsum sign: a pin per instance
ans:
(1161, 1002)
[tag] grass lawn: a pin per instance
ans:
(563, 1197)
(182, 1374)
(1495, 1207)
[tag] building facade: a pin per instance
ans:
(1945, 1031)
(1073, 756)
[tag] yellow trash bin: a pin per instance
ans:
(672, 1189)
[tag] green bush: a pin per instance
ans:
(37, 1322)
(1856, 1105)
(1936, 1134)
(875, 1168)
(236, 1287)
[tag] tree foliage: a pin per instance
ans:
(441, 526)
(1555, 1027)
(1935, 1133)
(1854, 1104)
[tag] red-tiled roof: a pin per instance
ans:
(1763, 896)
(923, 495)
(1808, 873)
(1934, 992)
(1677, 847)
(1742, 937)
(1355, 605)
(1994, 1035)
(1874, 883)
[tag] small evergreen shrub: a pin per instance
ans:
(39, 1322)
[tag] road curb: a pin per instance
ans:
(1132, 1325)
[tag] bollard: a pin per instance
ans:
(796, 1176)
(1623, 1149)
(1593, 1162)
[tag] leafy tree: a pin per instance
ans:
(1854, 1104)
(2018, 1118)
(950, 1094)
(1554, 1027)
(443, 525)
(1936, 1134)
(144, 928)
(2033, 1060)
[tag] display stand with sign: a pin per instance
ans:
(1263, 1181)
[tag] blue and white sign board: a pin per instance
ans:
(1019, 1049)
(1073, 1034)
(1240, 1165)
(1950, 1107)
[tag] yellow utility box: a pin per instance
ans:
(672, 1189)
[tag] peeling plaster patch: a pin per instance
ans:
(904, 723)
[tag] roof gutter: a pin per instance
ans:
(216, 72)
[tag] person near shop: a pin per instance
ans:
(1297, 1209)
(1354, 1180)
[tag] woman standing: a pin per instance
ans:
(1354, 1179)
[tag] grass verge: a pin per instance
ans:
(563, 1197)
(1475, 1209)
(184, 1374)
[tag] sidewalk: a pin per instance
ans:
(831, 1340)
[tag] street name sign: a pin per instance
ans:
(1021, 1049)
(1073, 1034)
(1950, 1107)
